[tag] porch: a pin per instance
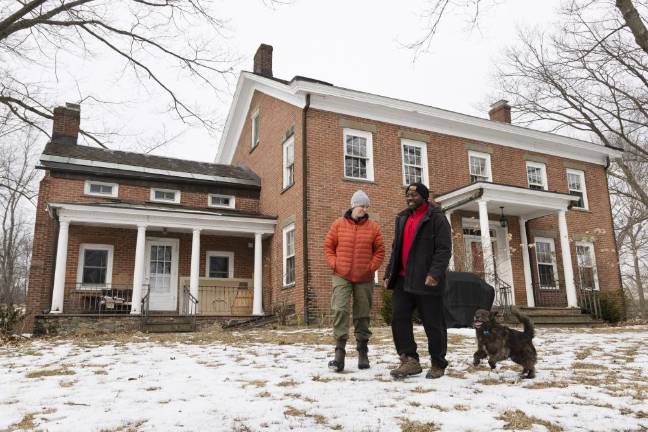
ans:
(491, 238)
(143, 260)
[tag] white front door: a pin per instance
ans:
(162, 273)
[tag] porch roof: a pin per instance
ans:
(120, 214)
(516, 200)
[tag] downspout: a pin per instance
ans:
(305, 209)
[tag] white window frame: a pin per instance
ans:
(113, 194)
(176, 197)
(81, 263)
(230, 265)
(368, 136)
(581, 174)
(232, 201)
(552, 250)
(424, 160)
(285, 231)
(590, 245)
(543, 173)
(485, 156)
(289, 142)
(254, 129)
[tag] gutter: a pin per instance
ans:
(475, 195)
(305, 209)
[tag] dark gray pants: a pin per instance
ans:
(431, 312)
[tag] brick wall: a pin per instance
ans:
(276, 120)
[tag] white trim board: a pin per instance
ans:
(404, 113)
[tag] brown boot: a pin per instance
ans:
(435, 372)
(337, 364)
(409, 366)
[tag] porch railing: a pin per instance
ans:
(190, 306)
(504, 295)
(232, 297)
(145, 306)
(589, 301)
(550, 294)
(98, 299)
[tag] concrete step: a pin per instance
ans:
(546, 311)
(168, 324)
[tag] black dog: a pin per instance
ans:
(498, 342)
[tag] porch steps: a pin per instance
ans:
(557, 317)
(168, 324)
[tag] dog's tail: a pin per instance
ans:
(526, 322)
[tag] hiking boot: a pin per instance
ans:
(435, 372)
(337, 364)
(363, 359)
(409, 366)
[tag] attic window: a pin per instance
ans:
(101, 189)
(165, 195)
(221, 201)
(255, 129)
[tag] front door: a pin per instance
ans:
(162, 273)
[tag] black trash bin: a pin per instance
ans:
(464, 294)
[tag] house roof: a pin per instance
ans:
(69, 157)
(327, 97)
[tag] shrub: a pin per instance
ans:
(386, 309)
(612, 306)
(10, 317)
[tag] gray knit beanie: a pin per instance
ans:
(359, 198)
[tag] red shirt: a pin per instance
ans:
(408, 233)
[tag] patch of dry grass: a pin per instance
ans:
(49, 372)
(417, 426)
(150, 389)
(67, 384)
(584, 353)
(547, 384)
(584, 365)
(288, 383)
(126, 427)
(461, 408)
(489, 381)
(27, 422)
(419, 389)
(301, 396)
(518, 420)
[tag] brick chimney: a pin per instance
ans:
(263, 60)
(500, 111)
(65, 128)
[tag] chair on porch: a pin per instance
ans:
(227, 297)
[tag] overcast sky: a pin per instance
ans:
(354, 44)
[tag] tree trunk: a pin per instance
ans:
(633, 20)
(642, 302)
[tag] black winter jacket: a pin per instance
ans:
(429, 254)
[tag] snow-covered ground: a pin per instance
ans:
(590, 380)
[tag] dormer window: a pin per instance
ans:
(221, 201)
(165, 195)
(102, 189)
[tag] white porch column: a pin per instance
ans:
(59, 271)
(487, 247)
(451, 263)
(257, 303)
(138, 272)
(568, 270)
(526, 263)
(195, 263)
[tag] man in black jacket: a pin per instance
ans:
(417, 274)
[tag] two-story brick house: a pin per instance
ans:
(291, 155)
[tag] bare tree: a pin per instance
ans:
(154, 41)
(17, 194)
(437, 10)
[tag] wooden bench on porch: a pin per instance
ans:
(228, 297)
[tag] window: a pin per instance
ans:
(547, 270)
(358, 151)
(289, 162)
(587, 275)
(415, 165)
(480, 167)
(576, 185)
(165, 195)
(223, 201)
(95, 266)
(536, 175)
(219, 265)
(289, 255)
(255, 129)
(101, 189)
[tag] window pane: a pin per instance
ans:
(220, 201)
(101, 189)
(290, 270)
(478, 166)
(219, 266)
(580, 203)
(355, 167)
(534, 174)
(574, 181)
(543, 253)
(546, 276)
(356, 146)
(164, 195)
(584, 256)
(95, 258)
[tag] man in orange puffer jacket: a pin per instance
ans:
(354, 250)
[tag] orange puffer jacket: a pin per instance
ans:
(353, 250)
